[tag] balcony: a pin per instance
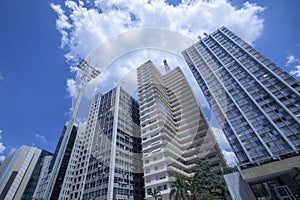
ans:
(154, 183)
(171, 168)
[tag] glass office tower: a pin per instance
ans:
(254, 100)
(59, 188)
(257, 105)
(114, 169)
(20, 171)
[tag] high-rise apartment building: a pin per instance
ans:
(256, 103)
(111, 150)
(19, 172)
(174, 129)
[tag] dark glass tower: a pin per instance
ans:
(114, 169)
(34, 178)
(66, 156)
(256, 103)
(20, 172)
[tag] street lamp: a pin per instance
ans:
(89, 73)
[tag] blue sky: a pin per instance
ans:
(35, 55)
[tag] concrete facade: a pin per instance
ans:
(174, 129)
(238, 188)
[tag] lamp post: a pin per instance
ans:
(89, 73)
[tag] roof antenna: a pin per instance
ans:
(167, 68)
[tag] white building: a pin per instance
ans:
(174, 129)
(20, 171)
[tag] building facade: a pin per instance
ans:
(20, 171)
(58, 185)
(114, 169)
(43, 178)
(254, 100)
(85, 139)
(174, 129)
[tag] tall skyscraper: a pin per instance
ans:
(256, 103)
(57, 187)
(42, 179)
(175, 132)
(85, 138)
(111, 150)
(20, 171)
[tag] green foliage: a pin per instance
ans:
(204, 186)
(205, 196)
(179, 188)
(208, 181)
(229, 170)
(155, 194)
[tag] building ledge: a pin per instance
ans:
(270, 170)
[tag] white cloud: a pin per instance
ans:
(1, 76)
(229, 157)
(72, 88)
(221, 138)
(41, 138)
(290, 59)
(294, 62)
(12, 150)
(2, 158)
(224, 144)
(62, 24)
(296, 71)
(2, 147)
(84, 25)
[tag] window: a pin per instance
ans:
(162, 187)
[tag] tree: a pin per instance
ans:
(155, 194)
(205, 196)
(207, 181)
(195, 190)
(205, 185)
(179, 188)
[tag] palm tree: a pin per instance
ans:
(179, 188)
(155, 194)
